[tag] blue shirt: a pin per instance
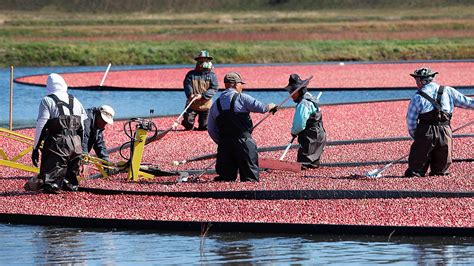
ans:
(304, 109)
(418, 105)
(243, 104)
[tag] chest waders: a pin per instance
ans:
(61, 154)
(237, 150)
(432, 146)
(312, 141)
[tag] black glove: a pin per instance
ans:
(35, 157)
(110, 172)
(294, 135)
(273, 110)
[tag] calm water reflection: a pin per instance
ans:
(44, 245)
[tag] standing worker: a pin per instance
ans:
(94, 126)
(230, 126)
(428, 121)
(60, 125)
(199, 84)
(307, 123)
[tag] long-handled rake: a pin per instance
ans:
(175, 124)
(287, 148)
(378, 172)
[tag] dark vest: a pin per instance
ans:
(232, 124)
(315, 118)
(436, 116)
(67, 125)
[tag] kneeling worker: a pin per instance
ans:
(307, 123)
(94, 126)
(230, 126)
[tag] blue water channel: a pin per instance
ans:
(24, 244)
(129, 104)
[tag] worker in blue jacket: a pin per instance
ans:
(307, 123)
(94, 126)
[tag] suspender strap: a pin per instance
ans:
(60, 104)
(435, 104)
(232, 103)
(440, 94)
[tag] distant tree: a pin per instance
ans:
(277, 2)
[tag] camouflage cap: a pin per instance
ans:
(203, 54)
(423, 72)
(233, 77)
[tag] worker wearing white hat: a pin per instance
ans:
(97, 119)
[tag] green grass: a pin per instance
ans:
(48, 37)
(125, 53)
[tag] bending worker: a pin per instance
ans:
(59, 124)
(94, 126)
(200, 85)
(230, 126)
(428, 121)
(307, 123)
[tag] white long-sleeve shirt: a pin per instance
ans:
(48, 108)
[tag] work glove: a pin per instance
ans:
(272, 108)
(294, 135)
(110, 172)
(35, 157)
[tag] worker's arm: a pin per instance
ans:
(412, 115)
(211, 124)
(99, 146)
(302, 113)
(213, 86)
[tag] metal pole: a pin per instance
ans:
(11, 98)
(105, 75)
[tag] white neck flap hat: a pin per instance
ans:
(107, 113)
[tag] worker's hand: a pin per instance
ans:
(272, 108)
(35, 157)
(196, 96)
(294, 135)
(110, 172)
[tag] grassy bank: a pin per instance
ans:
(183, 6)
(45, 38)
(137, 53)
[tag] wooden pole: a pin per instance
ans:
(11, 98)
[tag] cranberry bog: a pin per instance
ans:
(335, 198)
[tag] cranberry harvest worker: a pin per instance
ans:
(199, 84)
(428, 121)
(94, 126)
(230, 126)
(307, 123)
(60, 125)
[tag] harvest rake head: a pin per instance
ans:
(374, 173)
